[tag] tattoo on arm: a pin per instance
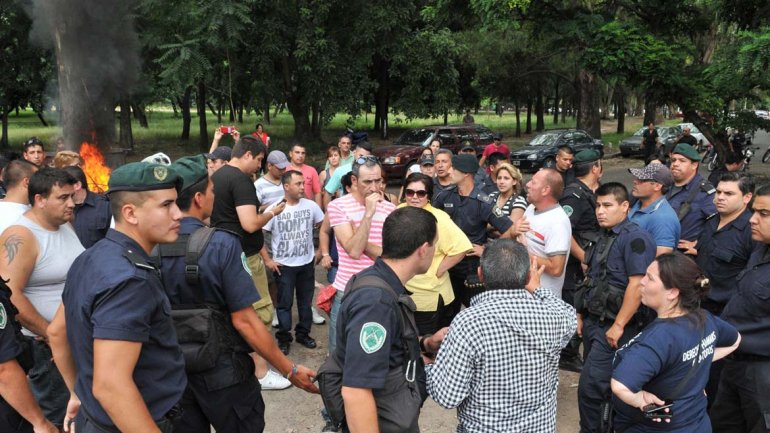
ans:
(12, 245)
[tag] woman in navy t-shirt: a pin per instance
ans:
(649, 368)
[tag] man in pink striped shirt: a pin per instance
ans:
(357, 220)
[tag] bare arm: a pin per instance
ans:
(327, 198)
(251, 328)
(114, 386)
(17, 261)
(318, 200)
(215, 142)
(251, 221)
(631, 301)
(662, 250)
(15, 390)
(356, 242)
(554, 265)
(576, 251)
(62, 353)
(721, 352)
(360, 410)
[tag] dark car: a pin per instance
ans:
(541, 151)
(632, 146)
(405, 151)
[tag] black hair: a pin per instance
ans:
(763, 190)
(296, 144)
(185, 198)
(33, 141)
(43, 181)
(405, 230)
(78, 174)
(496, 157)
(346, 181)
(733, 158)
(426, 180)
(679, 271)
(615, 189)
(287, 175)
(745, 181)
(583, 168)
(248, 143)
(16, 171)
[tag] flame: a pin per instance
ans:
(97, 172)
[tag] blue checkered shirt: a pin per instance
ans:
(498, 365)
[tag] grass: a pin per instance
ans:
(164, 130)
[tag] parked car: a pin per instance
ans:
(541, 151)
(703, 142)
(405, 151)
(632, 146)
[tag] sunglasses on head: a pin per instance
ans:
(363, 159)
(420, 194)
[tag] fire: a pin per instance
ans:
(97, 172)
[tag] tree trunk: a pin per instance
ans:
(315, 128)
(173, 107)
(556, 102)
(140, 115)
(381, 96)
(528, 130)
(126, 140)
(203, 142)
(588, 112)
(620, 97)
(446, 117)
(240, 114)
(4, 138)
(606, 102)
(184, 106)
(539, 109)
(41, 118)
(518, 118)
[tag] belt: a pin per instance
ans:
(747, 357)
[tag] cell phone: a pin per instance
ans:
(227, 129)
(653, 411)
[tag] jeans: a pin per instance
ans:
(301, 278)
(47, 385)
(336, 305)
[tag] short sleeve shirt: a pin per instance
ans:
(649, 139)
(492, 148)
(233, 188)
(92, 219)
(749, 308)
(550, 235)
(472, 213)
(334, 183)
(312, 183)
(346, 210)
(658, 219)
(268, 192)
(660, 356)
(702, 206)
(516, 201)
(630, 254)
(292, 232)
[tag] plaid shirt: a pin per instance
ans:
(499, 363)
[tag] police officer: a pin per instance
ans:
(92, 210)
(579, 203)
(743, 401)
(692, 196)
(19, 412)
(222, 394)
(471, 210)
(608, 300)
(130, 370)
(377, 345)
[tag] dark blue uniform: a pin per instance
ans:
(471, 214)
(92, 219)
(701, 207)
(579, 203)
(629, 255)
(113, 293)
(217, 397)
(743, 401)
(10, 349)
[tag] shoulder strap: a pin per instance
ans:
(684, 209)
(196, 244)
(680, 386)
(604, 254)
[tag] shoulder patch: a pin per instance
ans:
(496, 211)
(483, 197)
(372, 337)
(576, 195)
(3, 316)
(637, 246)
(707, 187)
(245, 263)
(568, 209)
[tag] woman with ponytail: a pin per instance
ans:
(659, 376)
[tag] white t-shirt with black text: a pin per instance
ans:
(292, 232)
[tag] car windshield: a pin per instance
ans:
(415, 137)
(639, 132)
(547, 139)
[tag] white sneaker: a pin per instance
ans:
(318, 319)
(273, 381)
(275, 318)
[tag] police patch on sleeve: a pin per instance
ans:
(245, 263)
(3, 316)
(496, 211)
(568, 210)
(637, 246)
(372, 337)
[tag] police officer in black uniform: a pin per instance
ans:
(743, 400)
(92, 211)
(19, 412)
(607, 320)
(471, 210)
(579, 203)
(692, 196)
(226, 395)
(377, 345)
(130, 370)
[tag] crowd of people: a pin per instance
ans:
(150, 308)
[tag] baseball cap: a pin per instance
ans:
(467, 146)
(427, 160)
(278, 159)
(655, 172)
(221, 152)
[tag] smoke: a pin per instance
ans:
(97, 54)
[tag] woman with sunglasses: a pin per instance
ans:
(668, 362)
(432, 291)
(508, 197)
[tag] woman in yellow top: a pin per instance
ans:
(432, 291)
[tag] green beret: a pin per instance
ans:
(143, 176)
(687, 151)
(465, 163)
(192, 169)
(587, 155)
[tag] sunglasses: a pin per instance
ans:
(420, 194)
(364, 159)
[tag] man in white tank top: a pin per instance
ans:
(16, 180)
(35, 256)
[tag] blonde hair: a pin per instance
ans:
(66, 158)
(514, 172)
